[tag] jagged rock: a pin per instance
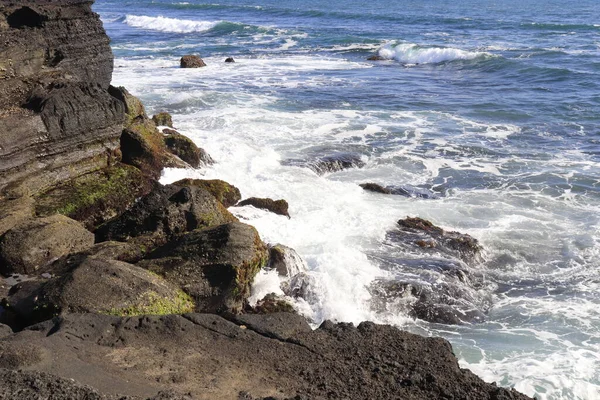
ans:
(32, 244)
(191, 61)
(275, 206)
(430, 238)
(216, 266)
(142, 355)
(97, 197)
(286, 261)
(374, 187)
(184, 148)
(165, 212)
(100, 286)
(329, 164)
(70, 124)
(163, 119)
(229, 60)
(225, 192)
(406, 191)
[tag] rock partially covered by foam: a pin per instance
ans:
(191, 61)
(279, 207)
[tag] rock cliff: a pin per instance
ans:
(57, 117)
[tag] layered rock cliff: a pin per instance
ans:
(57, 117)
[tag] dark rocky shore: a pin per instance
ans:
(117, 287)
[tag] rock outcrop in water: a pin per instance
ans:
(79, 162)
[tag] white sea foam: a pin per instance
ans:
(410, 53)
(165, 24)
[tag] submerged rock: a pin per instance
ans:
(279, 207)
(225, 192)
(191, 61)
(229, 60)
(184, 148)
(163, 119)
(376, 57)
(422, 234)
(329, 164)
(406, 190)
(216, 266)
(34, 243)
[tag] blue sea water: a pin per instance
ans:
(494, 106)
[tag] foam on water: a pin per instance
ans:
(165, 24)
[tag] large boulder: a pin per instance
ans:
(34, 243)
(100, 286)
(97, 197)
(163, 119)
(225, 192)
(279, 207)
(164, 213)
(191, 61)
(216, 266)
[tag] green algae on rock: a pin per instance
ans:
(225, 192)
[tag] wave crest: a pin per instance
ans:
(410, 53)
(173, 25)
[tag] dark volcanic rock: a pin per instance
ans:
(57, 118)
(32, 244)
(262, 355)
(275, 206)
(406, 191)
(5, 331)
(428, 237)
(229, 60)
(191, 61)
(163, 119)
(216, 266)
(225, 192)
(101, 286)
(270, 304)
(286, 261)
(374, 187)
(376, 57)
(329, 164)
(165, 212)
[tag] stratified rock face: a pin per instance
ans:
(57, 119)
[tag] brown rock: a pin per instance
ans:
(275, 206)
(225, 192)
(191, 61)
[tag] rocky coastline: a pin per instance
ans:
(117, 287)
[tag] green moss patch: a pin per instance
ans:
(154, 304)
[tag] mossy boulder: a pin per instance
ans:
(34, 243)
(279, 207)
(104, 287)
(97, 197)
(184, 148)
(191, 61)
(163, 119)
(134, 108)
(225, 192)
(216, 266)
(271, 304)
(142, 146)
(164, 213)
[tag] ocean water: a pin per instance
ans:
(492, 106)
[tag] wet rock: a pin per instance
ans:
(271, 303)
(191, 61)
(329, 164)
(105, 287)
(286, 261)
(163, 119)
(216, 266)
(376, 57)
(279, 207)
(334, 361)
(422, 234)
(406, 190)
(229, 60)
(34, 243)
(225, 192)
(164, 213)
(374, 187)
(184, 148)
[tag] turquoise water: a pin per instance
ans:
(493, 106)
